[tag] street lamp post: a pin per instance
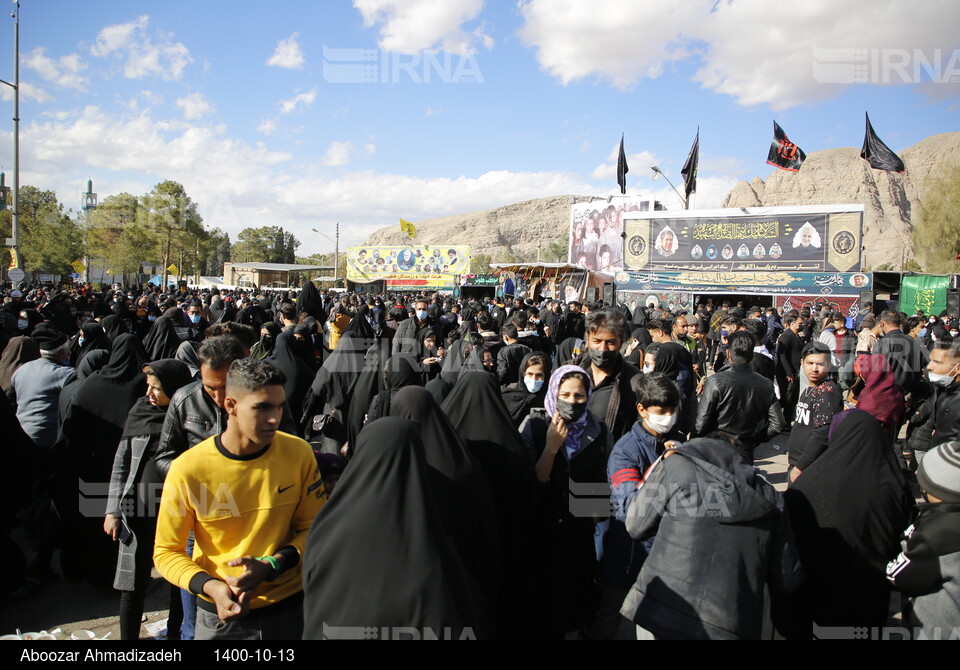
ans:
(657, 172)
(336, 253)
(14, 240)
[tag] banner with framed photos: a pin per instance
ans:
(821, 238)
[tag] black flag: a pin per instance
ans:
(689, 170)
(784, 154)
(622, 169)
(878, 153)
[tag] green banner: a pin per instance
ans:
(926, 292)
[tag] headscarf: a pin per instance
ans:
(265, 346)
(145, 418)
(162, 341)
(850, 506)
(880, 396)
(463, 497)
(335, 380)
(667, 362)
(298, 373)
(94, 338)
(310, 302)
(187, 353)
(113, 326)
(360, 324)
(575, 429)
(517, 398)
(384, 506)
(19, 350)
(369, 383)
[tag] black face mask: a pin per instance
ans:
(571, 411)
(604, 359)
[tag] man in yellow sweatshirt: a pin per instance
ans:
(249, 495)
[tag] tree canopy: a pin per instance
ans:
(936, 231)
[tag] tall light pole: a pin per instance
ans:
(657, 172)
(14, 240)
(336, 253)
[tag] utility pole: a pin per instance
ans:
(14, 240)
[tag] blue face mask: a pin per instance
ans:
(151, 318)
(533, 385)
(422, 315)
(80, 341)
(923, 332)
(195, 318)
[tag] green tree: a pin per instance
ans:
(556, 251)
(50, 240)
(268, 244)
(115, 238)
(936, 231)
(219, 253)
(171, 221)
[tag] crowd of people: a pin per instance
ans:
(325, 465)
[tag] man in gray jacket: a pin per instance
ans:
(721, 536)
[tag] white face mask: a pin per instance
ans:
(942, 380)
(533, 385)
(647, 368)
(661, 423)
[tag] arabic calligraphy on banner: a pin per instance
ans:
(790, 239)
(782, 283)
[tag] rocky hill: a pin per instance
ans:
(505, 233)
(832, 176)
(840, 176)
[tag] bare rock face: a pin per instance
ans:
(840, 176)
(829, 177)
(510, 231)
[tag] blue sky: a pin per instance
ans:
(302, 114)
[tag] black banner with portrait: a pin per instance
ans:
(779, 239)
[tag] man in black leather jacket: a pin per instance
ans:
(740, 401)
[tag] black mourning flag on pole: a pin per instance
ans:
(689, 170)
(622, 169)
(784, 154)
(878, 153)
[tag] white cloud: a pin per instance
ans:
(288, 54)
(267, 127)
(622, 41)
(133, 43)
(298, 102)
(756, 51)
(431, 111)
(408, 26)
(195, 106)
(370, 149)
(64, 71)
(639, 165)
(27, 92)
(338, 153)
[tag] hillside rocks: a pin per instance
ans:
(832, 176)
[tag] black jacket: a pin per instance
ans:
(742, 402)
(191, 418)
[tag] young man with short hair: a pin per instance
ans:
(740, 401)
(818, 404)
(249, 495)
(613, 398)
